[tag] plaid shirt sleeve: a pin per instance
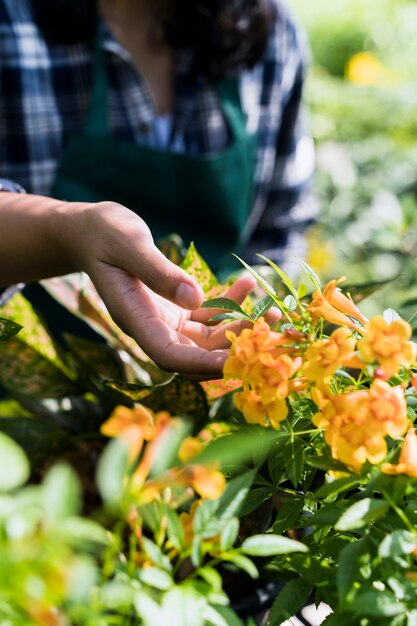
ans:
(285, 199)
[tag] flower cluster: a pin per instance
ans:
(356, 371)
(145, 433)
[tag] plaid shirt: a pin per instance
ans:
(45, 94)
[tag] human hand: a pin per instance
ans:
(151, 299)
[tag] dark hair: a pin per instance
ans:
(225, 35)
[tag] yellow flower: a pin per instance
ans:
(363, 68)
(252, 345)
(388, 409)
(388, 344)
(270, 377)
(189, 448)
(134, 425)
(249, 403)
(205, 480)
(324, 357)
(407, 462)
(356, 423)
(335, 307)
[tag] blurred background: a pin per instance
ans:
(362, 96)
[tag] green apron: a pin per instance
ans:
(204, 198)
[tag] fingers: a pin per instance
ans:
(238, 292)
(123, 240)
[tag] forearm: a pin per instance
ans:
(35, 237)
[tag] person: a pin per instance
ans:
(127, 120)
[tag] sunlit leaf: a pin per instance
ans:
(30, 364)
(361, 513)
(225, 304)
(311, 273)
(284, 277)
(8, 328)
(271, 544)
(196, 266)
(14, 468)
(263, 306)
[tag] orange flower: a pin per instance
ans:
(249, 403)
(247, 348)
(388, 409)
(189, 448)
(270, 377)
(205, 480)
(335, 307)
(407, 462)
(357, 423)
(324, 357)
(349, 431)
(134, 425)
(388, 344)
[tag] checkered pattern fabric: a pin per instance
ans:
(45, 93)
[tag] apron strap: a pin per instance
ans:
(97, 123)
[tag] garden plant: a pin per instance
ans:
(133, 496)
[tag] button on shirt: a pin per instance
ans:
(45, 93)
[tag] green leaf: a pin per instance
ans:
(284, 277)
(239, 447)
(294, 460)
(175, 529)
(255, 498)
(348, 568)
(260, 279)
(263, 306)
(15, 469)
(397, 543)
(361, 513)
(149, 610)
(226, 304)
(168, 445)
(156, 555)
(155, 577)
(211, 576)
(232, 498)
(289, 601)
(112, 469)
(83, 534)
(221, 616)
(184, 607)
(195, 265)
(206, 522)
(8, 328)
(242, 562)
(335, 486)
(230, 316)
(61, 493)
(29, 364)
(311, 273)
(269, 545)
(290, 303)
(229, 533)
(288, 515)
(373, 603)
